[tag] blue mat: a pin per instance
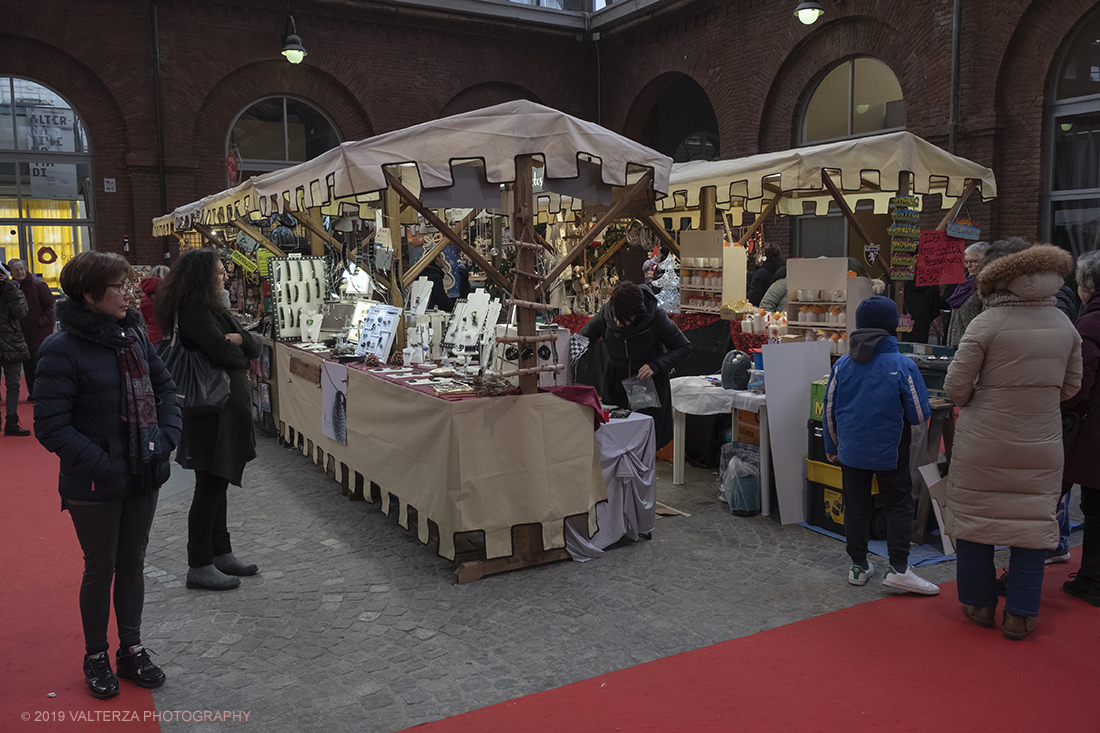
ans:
(920, 556)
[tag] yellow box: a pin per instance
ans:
(829, 474)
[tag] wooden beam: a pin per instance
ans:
(661, 233)
(759, 221)
(636, 190)
(245, 226)
(523, 289)
(606, 256)
(545, 245)
(318, 231)
(954, 210)
(391, 218)
(418, 267)
(209, 235)
(845, 209)
(439, 224)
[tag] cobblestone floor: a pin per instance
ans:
(352, 624)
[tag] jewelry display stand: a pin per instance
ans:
(377, 329)
(548, 352)
(297, 285)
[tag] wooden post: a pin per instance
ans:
(523, 229)
(708, 202)
(316, 243)
(391, 218)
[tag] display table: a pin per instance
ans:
(484, 465)
(697, 396)
(628, 458)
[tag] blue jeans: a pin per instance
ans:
(978, 577)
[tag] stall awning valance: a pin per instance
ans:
(866, 168)
(494, 135)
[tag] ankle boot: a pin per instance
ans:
(101, 681)
(11, 427)
(1015, 627)
(1085, 583)
(230, 565)
(210, 578)
(981, 615)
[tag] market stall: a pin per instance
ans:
(497, 465)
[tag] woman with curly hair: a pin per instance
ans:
(193, 302)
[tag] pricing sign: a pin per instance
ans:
(244, 261)
(939, 259)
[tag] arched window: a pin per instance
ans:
(1074, 123)
(45, 178)
(279, 132)
(859, 97)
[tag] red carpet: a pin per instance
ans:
(897, 664)
(42, 644)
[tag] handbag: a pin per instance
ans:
(1071, 423)
(201, 387)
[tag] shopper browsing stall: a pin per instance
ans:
(107, 407)
(641, 341)
(873, 397)
(193, 298)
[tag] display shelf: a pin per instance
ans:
(824, 275)
(698, 288)
(698, 309)
(816, 302)
(818, 326)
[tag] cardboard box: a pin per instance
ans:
(746, 427)
(826, 507)
(817, 399)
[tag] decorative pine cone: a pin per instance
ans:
(396, 359)
(370, 360)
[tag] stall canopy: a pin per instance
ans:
(578, 155)
(865, 169)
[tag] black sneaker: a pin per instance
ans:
(1002, 584)
(101, 681)
(139, 669)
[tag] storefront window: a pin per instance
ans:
(279, 132)
(45, 178)
(859, 97)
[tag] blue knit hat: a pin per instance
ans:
(878, 312)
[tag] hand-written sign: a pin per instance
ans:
(939, 259)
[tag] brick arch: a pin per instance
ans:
(485, 94)
(641, 109)
(242, 88)
(798, 73)
(1039, 41)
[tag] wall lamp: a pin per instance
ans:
(292, 44)
(808, 11)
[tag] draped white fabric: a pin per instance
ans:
(628, 458)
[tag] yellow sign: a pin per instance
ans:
(262, 256)
(243, 261)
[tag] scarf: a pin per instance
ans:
(1008, 298)
(141, 437)
(962, 292)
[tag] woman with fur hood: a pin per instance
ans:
(1017, 361)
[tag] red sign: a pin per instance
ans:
(232, 167)
(939, 259)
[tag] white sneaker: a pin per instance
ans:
(1056, 558)
(909, 582)
(859, 576)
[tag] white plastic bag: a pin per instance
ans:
(740, 487)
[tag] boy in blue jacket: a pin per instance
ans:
(874, 395)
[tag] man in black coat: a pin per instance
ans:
(13, 347)
(763, 276)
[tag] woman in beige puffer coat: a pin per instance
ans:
(1017, 361)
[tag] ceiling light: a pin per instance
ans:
(808, 11)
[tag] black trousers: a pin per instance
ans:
(29, 367)
(113, 536)
(896, 490)
(10, 371)
(207, 533)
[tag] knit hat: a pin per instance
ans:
(878, 311)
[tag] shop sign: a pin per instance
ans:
(50, 129)
(56, 181)
(965, 229)
(870, 253)
(262, 256)
(239, 258)
(939, 259)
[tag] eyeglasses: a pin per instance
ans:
(123, 288)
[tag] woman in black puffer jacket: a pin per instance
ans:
(641, 341)
(217, 447)
(107, 407)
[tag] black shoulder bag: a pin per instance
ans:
(201, 387)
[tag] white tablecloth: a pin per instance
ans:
(628, 459)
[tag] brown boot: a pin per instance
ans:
(981, 615)
(1016, 627)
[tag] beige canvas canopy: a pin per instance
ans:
(865, 169)
(494, 136)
